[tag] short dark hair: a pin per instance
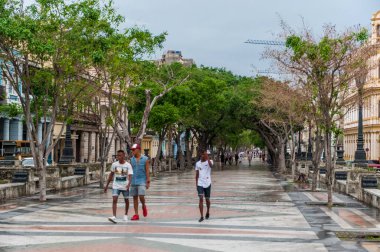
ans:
(121, 151)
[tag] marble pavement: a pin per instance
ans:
(251, 211)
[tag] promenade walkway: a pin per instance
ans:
(251, 211)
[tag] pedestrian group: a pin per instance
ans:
(133, 179)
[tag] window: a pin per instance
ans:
(378, 71)
(378, 30)
(10, 89)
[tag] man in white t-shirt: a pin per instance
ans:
(203, 182)
(121, 175)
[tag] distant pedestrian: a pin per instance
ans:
(250, 156)
(222, 158)
(140, 180)
(263, 157)
(203, 182)
(236, 158)
(121, 174)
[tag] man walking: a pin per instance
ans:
(140, 180)
(121, 174)
(203, 182)
(250, 155)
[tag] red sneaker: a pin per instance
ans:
(135, 217)
(145, 211)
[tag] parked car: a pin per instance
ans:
(29, 162)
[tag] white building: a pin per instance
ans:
(371, 107)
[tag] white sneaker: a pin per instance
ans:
(125, 218)
(113, 219)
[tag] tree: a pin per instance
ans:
(138, 99)
(163, 117)
(116, 63)
(281, 115)
(45, 51)
(203, 102)
(325, 68)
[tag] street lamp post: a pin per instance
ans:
(360, 155)
(299, 153)
(309, 146)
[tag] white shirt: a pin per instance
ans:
(204, 169)
(120, 177)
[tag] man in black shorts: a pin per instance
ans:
(203, 182)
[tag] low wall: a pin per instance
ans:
(73, 181)
(14, 190)
(57, 178)
(352, 186)
(371, 197)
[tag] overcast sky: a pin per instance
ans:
(212, 32)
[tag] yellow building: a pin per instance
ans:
(371, 107)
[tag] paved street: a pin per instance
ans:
(250, 211)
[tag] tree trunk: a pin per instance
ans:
(103, 166)
(188, 148)
(123, 145)
(293, 158)
(180, 156)
(159, 151)
(103, 160)
(202, 142)
(316, 159)
(41, 176)
(329, 169)
(281, 158)
(170, 139)
(273, 157)
(191, 152)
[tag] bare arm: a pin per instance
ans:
(196, 178)
(210, 163)
(110, 177)
(129, 181)
(147, 171)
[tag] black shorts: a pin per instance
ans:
(204, 191)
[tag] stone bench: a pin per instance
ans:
(340, 186)
(12, 190)
(371, 197)
(340, 181)
(72, 181)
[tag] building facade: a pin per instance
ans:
(172, 56)
(12, 129)
(371, 107)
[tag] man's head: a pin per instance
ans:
(204, 155)
(136, 149)
(121, 155)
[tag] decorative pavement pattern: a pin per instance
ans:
(251, 211)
